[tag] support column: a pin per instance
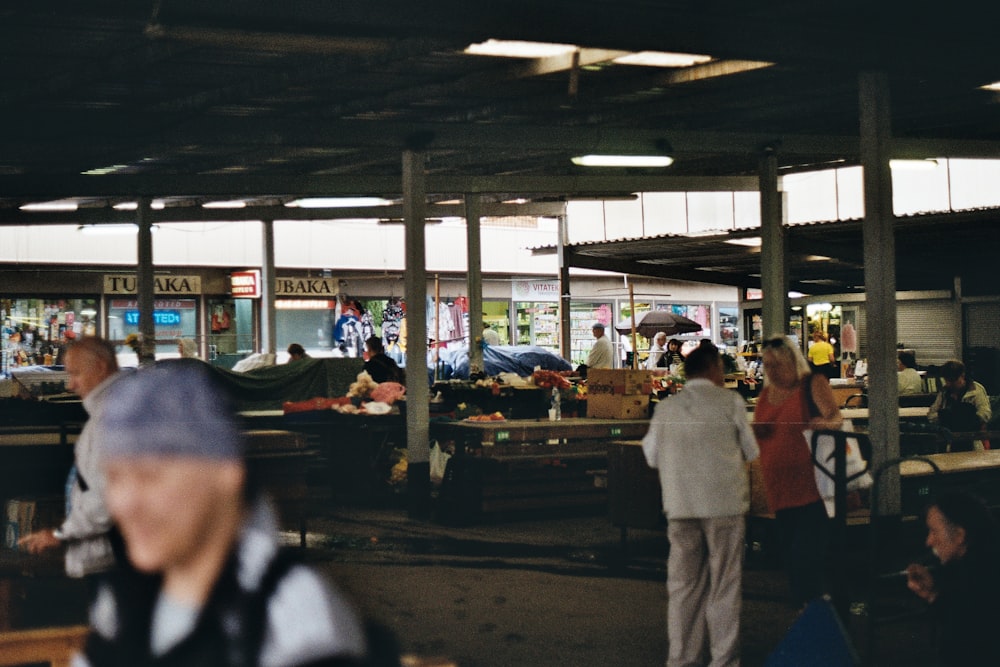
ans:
(268, 324)
(880, 281)
(473, 213)
(773, 254)
(145, 282)
(418, 478)
(565, 328)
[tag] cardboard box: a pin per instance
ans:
(618, 382)
(606, 406)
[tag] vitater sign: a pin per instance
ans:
(125, 284)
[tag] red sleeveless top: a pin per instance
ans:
(785, 463)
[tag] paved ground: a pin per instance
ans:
(548, 591)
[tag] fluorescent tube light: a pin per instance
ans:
(58, 205)
(749, 241)
(338, 202)
(623, 160)
(234, 203)
(662, 59)
(519, 49)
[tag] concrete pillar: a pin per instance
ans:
(268, 323)
(418, 478)
(880, 281)
(473, 208)
(773, 253)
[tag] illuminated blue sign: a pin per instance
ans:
(160, 317)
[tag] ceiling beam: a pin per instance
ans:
(104, 215)
(578, 260)
(231, 185)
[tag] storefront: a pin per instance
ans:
(34, 330)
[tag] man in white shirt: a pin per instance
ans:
(601, 354)
(909, 378)
(700, 442)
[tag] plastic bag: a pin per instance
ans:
(858, 476)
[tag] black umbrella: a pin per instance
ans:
(648, 324)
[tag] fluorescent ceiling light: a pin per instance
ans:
(914, 165)
(234, 203)
(623, 160)
(338, 202)
(662, 59)
(104, 171)
(995, 86)
(57, 205)
(749, 241)
(519, 49)
(157, 205)
(112, 229)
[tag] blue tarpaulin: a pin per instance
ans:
(520, 359)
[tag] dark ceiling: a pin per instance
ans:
(190, 100)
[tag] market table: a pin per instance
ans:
(527, 464)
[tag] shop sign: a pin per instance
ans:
(535, 290)
(122, 284)
(160, 317)
(306, 287)
(245, 284)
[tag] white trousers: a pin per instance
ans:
(704, 591)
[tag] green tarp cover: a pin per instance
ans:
(268, 388)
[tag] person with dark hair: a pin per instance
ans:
(794, 399)
(296, 352)
(908, 378)
(962, 405)
(92, 366)
(700, 442)
(380, 366)
(963, 590)
(210, 585)
(672, 358)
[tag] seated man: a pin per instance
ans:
(210, 585)
(962, 405)
(963, 591)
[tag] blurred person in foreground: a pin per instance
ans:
(700, 442)
(963, 590)
(794, 399)
(210, 585)
(87, 531)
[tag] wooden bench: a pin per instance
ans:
(53, 646)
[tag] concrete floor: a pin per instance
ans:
(534, 590)
(553, 591)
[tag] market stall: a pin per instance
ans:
(526, 464)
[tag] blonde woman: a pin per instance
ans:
(794, 399)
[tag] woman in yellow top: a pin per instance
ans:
(821, 356)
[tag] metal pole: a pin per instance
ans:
(145, 282)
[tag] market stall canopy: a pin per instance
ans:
(650, 323)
